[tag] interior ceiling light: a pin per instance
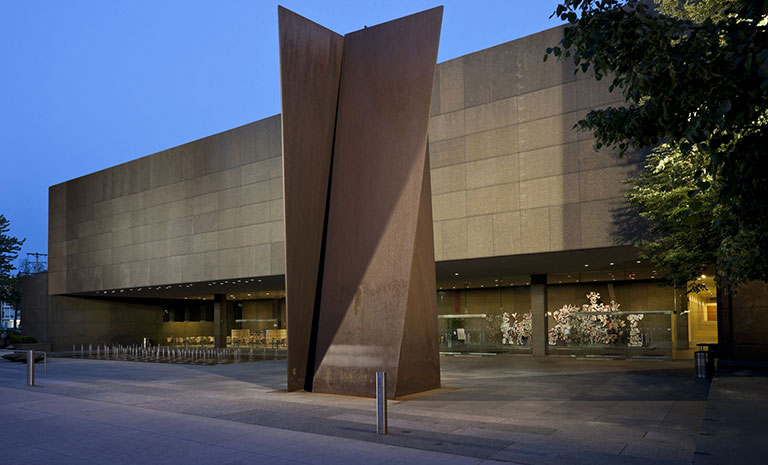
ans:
(586, 265)
(703, 276)
(455, 274)
(637, 261)
(611, 263)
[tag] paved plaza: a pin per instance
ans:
(503, 409)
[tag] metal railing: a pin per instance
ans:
(170, 354)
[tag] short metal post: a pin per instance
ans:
(381, 402)
(700, 361)
(45, 363)
(30, 368)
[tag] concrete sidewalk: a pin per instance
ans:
(734, 430)
(497, 409)
(52, 429)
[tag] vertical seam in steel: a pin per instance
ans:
(312, 349)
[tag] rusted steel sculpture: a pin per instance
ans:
(360, 274)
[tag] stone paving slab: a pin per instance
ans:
(734, 430)
(509, 409)
(73, 435)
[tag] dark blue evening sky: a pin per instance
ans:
(86, 85)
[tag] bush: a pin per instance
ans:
(14, 339)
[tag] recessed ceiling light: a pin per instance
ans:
(455, 274)
(611, 263)
(703, 276)
(637, 261)
(586, 265)
(267, 293)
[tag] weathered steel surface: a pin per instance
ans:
(310, 63)
(376, 307)
(378, 181)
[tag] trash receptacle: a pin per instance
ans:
(702, 365)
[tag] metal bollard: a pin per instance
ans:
(381, 402)
(30, 368)
(700, 361)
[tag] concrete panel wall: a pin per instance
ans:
(76, 320)
(750, 321)
(34, 303)
(209, 209)
(509, 174)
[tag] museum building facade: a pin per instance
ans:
(531, 236)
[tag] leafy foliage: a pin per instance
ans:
(696, 87)
(9, 247)
(682, 239)
(9, 250)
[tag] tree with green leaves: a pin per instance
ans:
(694, 75)
(10, 288)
